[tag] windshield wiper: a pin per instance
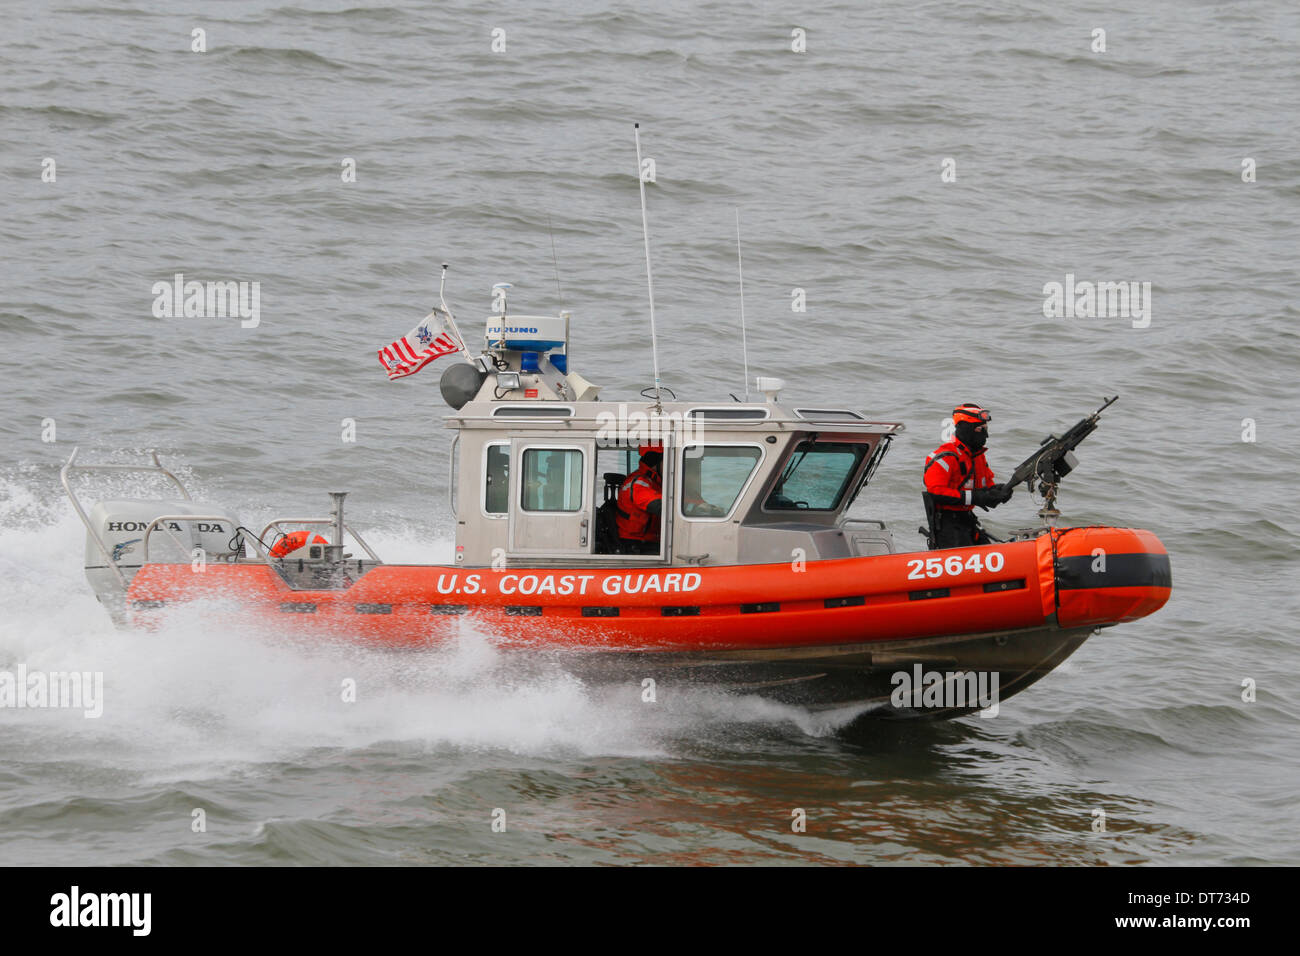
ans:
(795, 463)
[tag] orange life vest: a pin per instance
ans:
(636, 493)
(952, 472)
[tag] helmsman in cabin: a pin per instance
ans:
(640, 505)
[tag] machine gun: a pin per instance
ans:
(1055, 459)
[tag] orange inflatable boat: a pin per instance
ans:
(760, 581)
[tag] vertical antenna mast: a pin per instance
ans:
(555, 262)
(740, 267)
(649, 280)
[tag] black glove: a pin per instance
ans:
(991, 497)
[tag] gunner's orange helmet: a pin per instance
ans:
(970, 412)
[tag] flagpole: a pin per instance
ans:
(451, 319)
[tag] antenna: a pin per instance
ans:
(740, 267)
(502, 288)
(649, 279)
(555, 262)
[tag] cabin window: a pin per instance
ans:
(552, 479)
(713, 476)
(816, 477)
(496, 479)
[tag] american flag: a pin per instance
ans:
(431, 339)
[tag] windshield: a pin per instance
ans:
(816, 477)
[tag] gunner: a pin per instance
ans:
(640, 503)
(957, 478)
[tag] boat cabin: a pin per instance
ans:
(538, 459)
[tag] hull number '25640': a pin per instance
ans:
(922, 568)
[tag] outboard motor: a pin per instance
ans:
(116, 530)
(115, 545)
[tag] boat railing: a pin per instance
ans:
(157, 523)
(275, 526)
(65, 474)
(161, 522)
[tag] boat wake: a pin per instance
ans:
(196, 697)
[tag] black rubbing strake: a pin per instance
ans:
(1005, 586)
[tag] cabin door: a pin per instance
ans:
(551, 496)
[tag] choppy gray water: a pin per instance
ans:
(226, 165)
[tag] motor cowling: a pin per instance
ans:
(121, 526)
